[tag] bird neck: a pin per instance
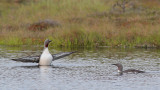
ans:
(120, 69)
(45, 45)
(46, 50)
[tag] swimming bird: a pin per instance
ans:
(120, 69)
(45, 58)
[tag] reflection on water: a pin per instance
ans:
(86, 70)
(44, 77)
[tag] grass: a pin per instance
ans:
(84, 23)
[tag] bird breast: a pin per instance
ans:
(46, 58)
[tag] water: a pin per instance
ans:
(85, 70)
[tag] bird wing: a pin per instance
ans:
(61, 55)
(35, 59)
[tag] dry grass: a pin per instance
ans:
(84, 23)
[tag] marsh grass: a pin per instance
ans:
(86, 23)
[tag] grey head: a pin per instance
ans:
(120, 67)
(46, 43)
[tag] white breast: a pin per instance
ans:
(46, 58)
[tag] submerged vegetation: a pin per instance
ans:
(89, 23)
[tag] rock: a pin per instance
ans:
(43, 25)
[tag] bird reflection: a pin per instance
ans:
(45, 76)
(42, 67)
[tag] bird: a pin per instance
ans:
(46, 58)
(120, 69)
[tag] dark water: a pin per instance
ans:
(86, 70)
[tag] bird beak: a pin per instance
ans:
(114, 64)
(50, 41)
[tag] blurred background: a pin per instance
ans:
(89, 23)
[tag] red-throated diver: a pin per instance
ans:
(45, 58)
(120, 69)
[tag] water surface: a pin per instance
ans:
(88, 69)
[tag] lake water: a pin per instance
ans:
(88, 69)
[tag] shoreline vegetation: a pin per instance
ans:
(81, 23)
